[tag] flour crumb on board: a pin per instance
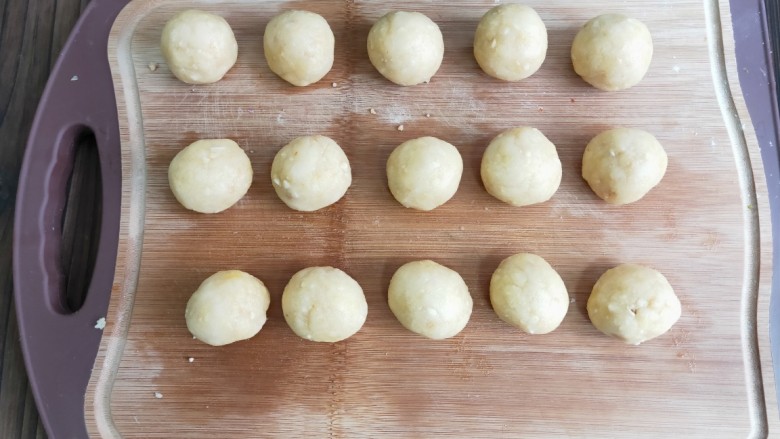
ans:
(191, 359)
(101, 323)
(372, 111)
(152, 66)
(158, 395)
(334, 85)
(676, 69)
(74, 78)
(400, 127)
(427, 114)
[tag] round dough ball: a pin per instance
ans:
(521, 166)
(406, 47)
(510, 42)
(430, 299)
(612, 52)
(622, 165)
(310, 173)
(199, 47)
(528, 293)
(210, 175)
(324, 304)
(298, 47)
(633, 303)
(227, 307)
(424, 173)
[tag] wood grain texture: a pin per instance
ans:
(31, 36)
(704, 227)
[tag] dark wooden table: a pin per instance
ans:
(32, 33)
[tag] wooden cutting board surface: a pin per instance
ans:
(705, 227)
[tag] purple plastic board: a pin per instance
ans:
(60, 348)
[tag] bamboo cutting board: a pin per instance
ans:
(705, 227)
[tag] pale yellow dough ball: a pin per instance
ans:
(310, 173)
(521, 166)
(198, 46)
(227, 307)
(528, 293)
(612, 52)
(324, 304)
(633, 303)
(622, 165)
(510, 42)
(210, 175)
(430, 299)
(424, 173)
(298, 46)
(406, 47)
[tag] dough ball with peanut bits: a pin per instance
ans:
(430, 299)
(210, 175)
(623, 164)
(228, 306)
(324, 304)
(310, 173)
(424, 173)
(521, 166)
(612, 52)
(510, 42)
(528, 293)
(298, 46)
(198, 46)
(406, 47)
(633, 303)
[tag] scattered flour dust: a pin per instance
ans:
(395, 114)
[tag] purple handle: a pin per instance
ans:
(60, 347)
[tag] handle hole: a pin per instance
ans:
(81, 220)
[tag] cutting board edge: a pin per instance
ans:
(97, 402)
(765, 387)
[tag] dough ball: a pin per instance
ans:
(622, 165)
(406, 47)
(510, 42)
(528, 293)
(633, 303)
(324, 304)
(310, 173)
(298, 47)
(424, 173)
(430, 299)
(227, 307)
(210, 175)
(612, 52)
(199, 47)
(521, 167)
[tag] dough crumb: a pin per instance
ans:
(101, 323)
(676, 69)
(191, 359)
(372, 111)
(334, 85)
(427, 114)
(541, 109)
(74, 78)
(153, 66)
(158, 395)
(400, 127)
